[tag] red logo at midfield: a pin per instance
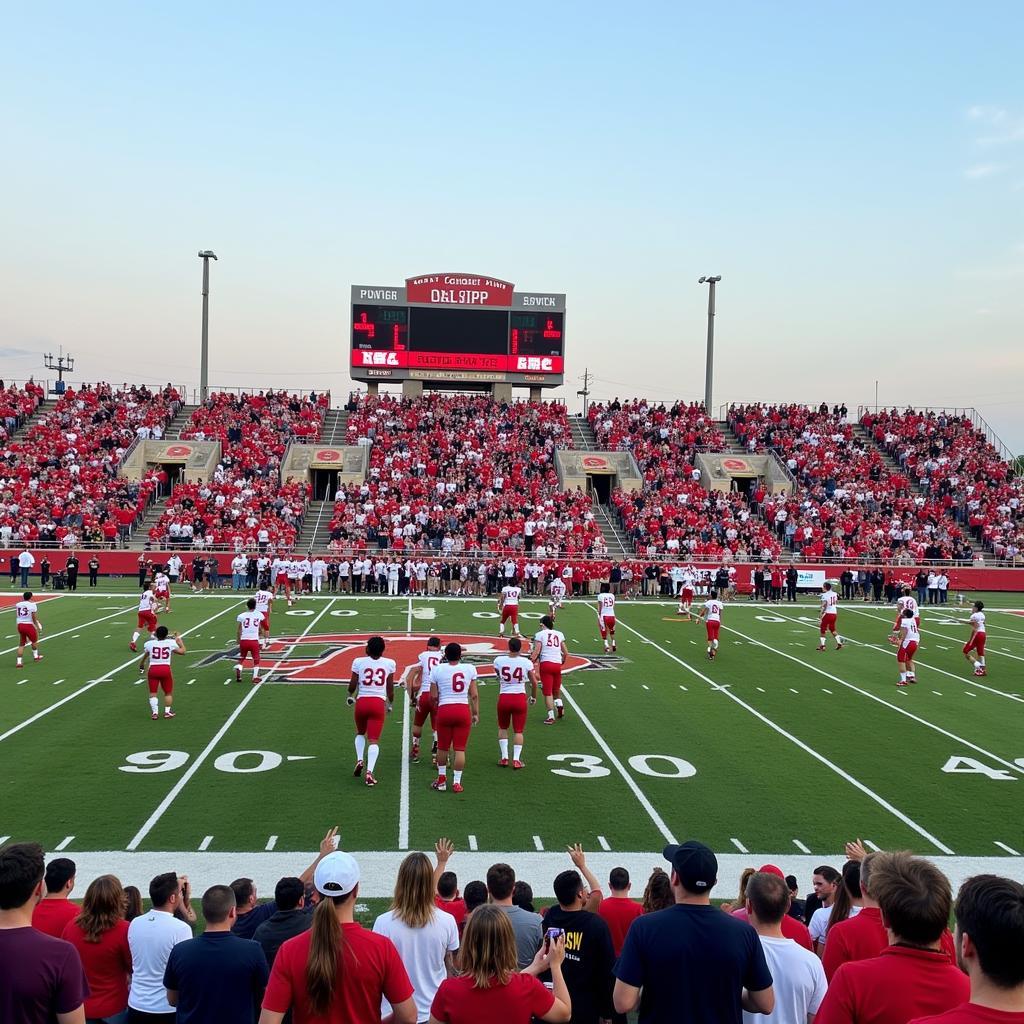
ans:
(333, 662)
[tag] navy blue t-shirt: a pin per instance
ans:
(692, 961)
(246, 924)
(219, 979)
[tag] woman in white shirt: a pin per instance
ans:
(425, 936)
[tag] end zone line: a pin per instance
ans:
(102, 679)
(871, 696)
(200, 758)
(856, 783)
(43, 637)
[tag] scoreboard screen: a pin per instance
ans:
(436, 329)
(535, 334)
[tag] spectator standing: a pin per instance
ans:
(796, 906)
(790, 927)
(41, 978)
(490, 988)
(448, 898)
(426, 938)
(132, 903)
(691, 962)
(289, 920)
(825, 881)
(990, 950)
(528, 928)
(94, 569)
(71, 568)
(618, 910)
(474, 895)
(151, 938)
(25, 562)
(100, 934)
(55, 909)
(658, 893)
(912, 977)
(798, 979)
(216, 978)
(337, 971)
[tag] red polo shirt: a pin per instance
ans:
(791, 929)
(619, 913)
(894, 987)
(51, 916)
(863, 937)
(456, 907)
(969, 1013)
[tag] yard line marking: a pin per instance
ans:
(801, 847)
(871, 846)
(1002, 846)
(645, 686)
(472, 844)
(603, 843)
(739, 846)
(64, 844)
(3, 839)
(408, 619)
(538, 845)
(71, 629)
(20, 681)
(856, 783)
(791, 690)
(205, 844)
(681, 687)
(76, 636)
(57, 682)
(969, 694)
(829, 692)
(271, 843)
(762, 689)
(200, 758)
(880, 700)
(936, 692)
(190, 682)
(403, 791)
(613, 686)
(108, 636)
(95, 682)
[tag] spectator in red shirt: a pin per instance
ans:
(990, 949)
(490, 988)
(619, 910)
(912, 977)
(55, 910)
(791, 927)
(448, 898)
(100, 934)
(337, 971)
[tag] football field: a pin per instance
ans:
(773, 751)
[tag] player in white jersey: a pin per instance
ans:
(606, 617)
(374, 678)
(906, 601)
(250, 625)
(158, 651)
(686, 582)
(453, 687)
(513, 672)
(264, 599)
(147, 617)
(829, 611)
(419, 695)
(296, 574)
(508, 605)
(28, 627)
(910, 637)
(279, 576)
(557, 598)
(549, 654)
(711, 616)
(162, 591)
(974, 649)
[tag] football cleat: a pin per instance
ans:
(132, 647)
(238, 674)
(503, 763)
(614, 648)
(439, 785)
(902, 683)
(840, 646)
(560, 711)
(358, 770)
(370, 780)
(911, 679)
(518, 764)
(549, 721)
(457, 787)
(154, 716)
(168, 713)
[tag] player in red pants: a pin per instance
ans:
(374, 679)
(158, 653)
(711, 615)
(417, 686)
(250, 624)
(513, 672)
(606, 617)
(549, 654)
(910, 637)
(453, 687)
(974, 649)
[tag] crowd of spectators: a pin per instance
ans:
(58, 478)
(16, 405)
(462, 474)
(245, 504)
(869, 945)
(952, 461)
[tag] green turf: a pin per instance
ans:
(762, 767)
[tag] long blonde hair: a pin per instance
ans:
(103, 906)
(413, 902)
(326, 951)
(488, 951)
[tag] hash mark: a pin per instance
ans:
(205, 844)
(472, 843)
(57, 682)
(800, 846)
(762, 689)
(64, 843)
(739, 846)
(645, 686)
(823, 690)
(871, 846)
(538, 844)
(969, 694)
(271, 843)
(603, 843)
(1002, 846)
(791, 690)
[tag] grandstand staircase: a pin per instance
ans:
(583, 437)
(732, 442)
(314, 533)
(177, 425)
(614, 535)
(44, 407)
(862, 434)
(335, 427)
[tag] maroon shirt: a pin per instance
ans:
(49, 978)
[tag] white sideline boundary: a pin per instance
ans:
(831, 765)
(379, 867)
(200, 758)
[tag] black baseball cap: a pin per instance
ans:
(695, 865)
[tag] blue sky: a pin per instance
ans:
(856, 174)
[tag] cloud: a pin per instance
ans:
(16, 353)
(978, 171)
(1004, 127)
(1008, 272)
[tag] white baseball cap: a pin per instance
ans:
(337, 874)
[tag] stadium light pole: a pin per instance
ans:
(709, 368)
(204, 356)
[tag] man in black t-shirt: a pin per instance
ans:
(693, 962)
(71, 565)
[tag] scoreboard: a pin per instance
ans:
(457, 328)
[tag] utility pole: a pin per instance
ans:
(204, 355)
(710, 362)
(585, 391)
(63, 364)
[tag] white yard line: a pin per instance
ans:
(801, 846)
(403, 793)
(1008, 849)
(200, 759)
(95, 682)
(878, 700)
(43, 637)
(856, 783)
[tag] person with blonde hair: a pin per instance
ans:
(425, 936)
(489, 987)
(337, 970)
(100, 934)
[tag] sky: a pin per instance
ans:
(854, 172)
